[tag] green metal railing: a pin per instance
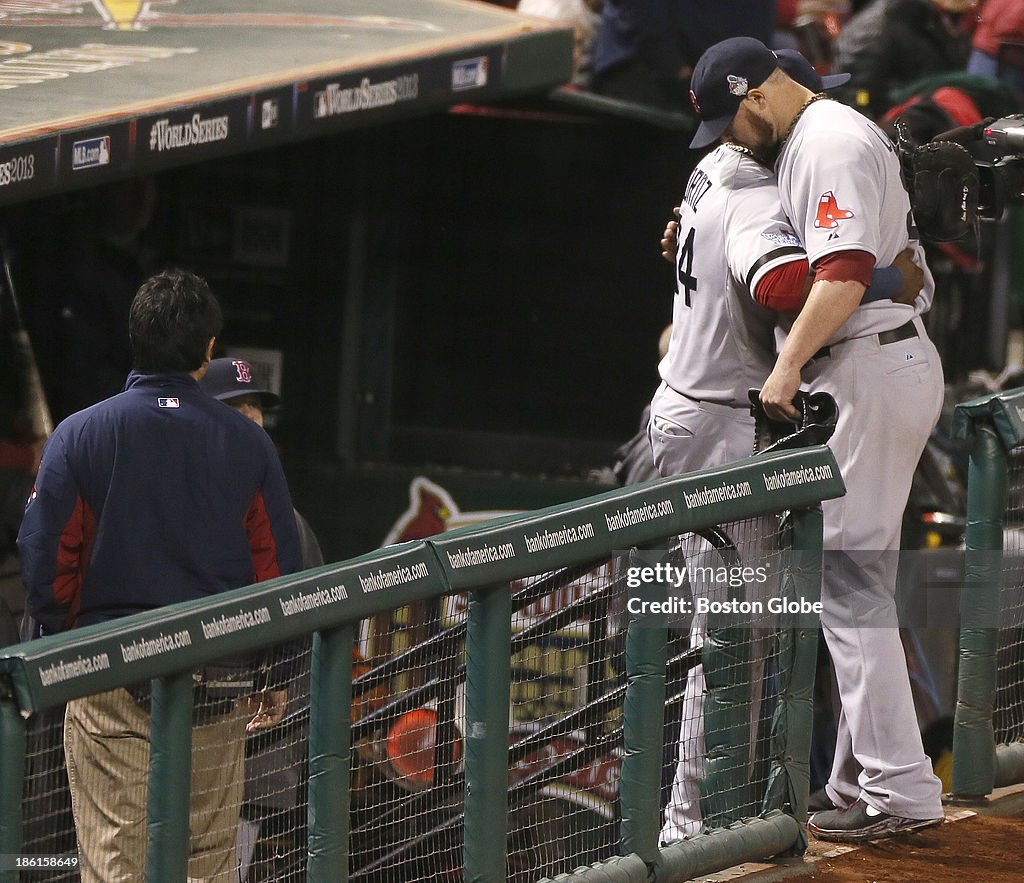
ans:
(778, 828)
(327, 602)
(994, 425)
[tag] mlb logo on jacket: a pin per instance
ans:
(168, 403)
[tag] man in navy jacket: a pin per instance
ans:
(157, 495)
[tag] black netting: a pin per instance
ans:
(407, 769)
(697, 796)
(1009, 704)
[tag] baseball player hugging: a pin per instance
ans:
(739, 265)
(839, 184)
(722, 344)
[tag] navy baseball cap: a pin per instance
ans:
(799, 68)
(229, 378)
(723, 76)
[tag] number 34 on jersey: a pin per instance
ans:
(684, 267)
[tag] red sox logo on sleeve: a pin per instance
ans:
(829, 214)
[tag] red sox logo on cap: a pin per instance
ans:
(243, 371)
(693, 101)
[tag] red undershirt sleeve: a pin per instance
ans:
(846, 266)
(782, 288)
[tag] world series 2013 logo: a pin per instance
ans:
(17, 169)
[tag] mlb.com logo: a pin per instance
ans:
(168, 403)
(90, 154)
(269, 114)
(471, 73)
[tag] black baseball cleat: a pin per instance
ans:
(861, 823)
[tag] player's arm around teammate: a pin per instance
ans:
(901, 283)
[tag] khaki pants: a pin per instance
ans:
(106, 740)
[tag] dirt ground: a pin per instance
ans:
(980, 848)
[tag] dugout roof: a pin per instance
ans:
(92, 90)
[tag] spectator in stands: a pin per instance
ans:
(646, 49)
(809, 26)
(154, 496)
(891, 43)
(784, 36)
(997, 48)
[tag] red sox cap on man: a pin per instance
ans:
(800, 69)
(721, 80)
(228, 378)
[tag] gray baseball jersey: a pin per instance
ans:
(722, 339)
(731, 233)
(831, 154)
(839, 183)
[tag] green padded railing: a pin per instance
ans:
(994, 426)
(166, 645)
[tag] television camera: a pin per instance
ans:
(963, 176)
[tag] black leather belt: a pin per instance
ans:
(904, 332)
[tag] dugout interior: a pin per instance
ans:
(468, 288)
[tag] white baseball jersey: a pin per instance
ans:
(722, 340)
(839, 181)
(840, 185)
